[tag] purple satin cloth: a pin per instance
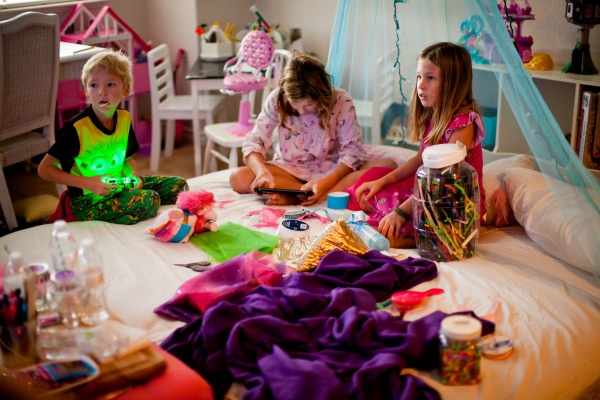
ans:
(318, 335)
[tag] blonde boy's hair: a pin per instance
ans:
(112, 61)
(456, 93)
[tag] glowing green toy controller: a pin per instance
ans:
(125, 181)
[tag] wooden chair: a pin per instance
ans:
(29, 69)
(369, 113)
(168, 106)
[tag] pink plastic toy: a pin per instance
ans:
(517, 15)
(194, 214)
(247, 74)
(409, 299)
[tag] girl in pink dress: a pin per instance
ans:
(442, 110)
(320, 141)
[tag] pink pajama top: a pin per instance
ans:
(307, 151)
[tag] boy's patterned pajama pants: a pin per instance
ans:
(128, 206)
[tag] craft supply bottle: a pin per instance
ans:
(460, 350)
(63, 247)
(371, 236)
(446, 204)
(89, 266)
(17, 315)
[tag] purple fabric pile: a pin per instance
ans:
(318, 335)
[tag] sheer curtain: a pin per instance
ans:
(364, 30)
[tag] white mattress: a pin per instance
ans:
(549, 310)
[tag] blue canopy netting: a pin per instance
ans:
(365, 31)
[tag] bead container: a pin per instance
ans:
(460, 350)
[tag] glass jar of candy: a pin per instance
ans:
(446, 204)
(460, 350)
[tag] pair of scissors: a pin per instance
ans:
(199, 266)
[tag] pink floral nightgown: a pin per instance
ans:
(307, 151)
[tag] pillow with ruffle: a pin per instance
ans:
(567, 229)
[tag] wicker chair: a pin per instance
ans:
(29, 63)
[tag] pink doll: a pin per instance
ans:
(194, 214)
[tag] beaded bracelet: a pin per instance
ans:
(402, 213)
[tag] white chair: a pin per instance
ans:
(220, 134)
(280, 60)
(29, 69)
(168, 106)
(369, 113)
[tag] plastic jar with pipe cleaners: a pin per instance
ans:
(446, 204)
(460, 350)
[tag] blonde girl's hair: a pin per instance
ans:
(112, 61)
(456, 93)
(305, 77)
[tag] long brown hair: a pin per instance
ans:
(456, 93)
(305, 77)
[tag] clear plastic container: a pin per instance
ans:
(89, 266)
(460, 350)
(63, 247)
(14, 277)
(446, 204)
(67, 295)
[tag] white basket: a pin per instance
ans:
(216, 51)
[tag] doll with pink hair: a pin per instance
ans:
(194, 214)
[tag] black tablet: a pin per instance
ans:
(289, 192)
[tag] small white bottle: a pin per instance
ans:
(89, 266)
(14, 278)
(63, 247)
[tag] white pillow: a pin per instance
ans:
(492, 173)
(569, 228)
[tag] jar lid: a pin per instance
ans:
(63, 276)
(461, 327)
(444, 155)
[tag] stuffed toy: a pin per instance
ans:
(194, 214)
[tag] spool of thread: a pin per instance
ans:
(338, 200)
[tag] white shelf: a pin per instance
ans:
(562, 93)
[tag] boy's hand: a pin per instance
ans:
(96, 185)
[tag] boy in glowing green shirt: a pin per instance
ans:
(99, 143)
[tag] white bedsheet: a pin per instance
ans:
(550, 310)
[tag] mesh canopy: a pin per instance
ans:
(366, 30)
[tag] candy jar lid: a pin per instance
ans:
(444, 155)
(461, 327)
